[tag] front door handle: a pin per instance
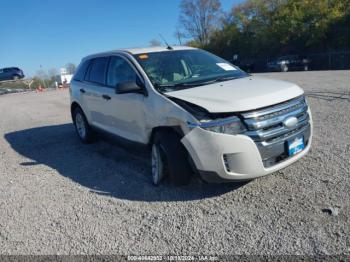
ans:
(82, 90)
(106, 97)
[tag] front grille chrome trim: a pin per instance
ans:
(285, 136)
(266, 127)
(280, 107)
(261, 135)
(253, 123)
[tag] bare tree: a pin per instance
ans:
(199, 18)
(53, 72)
(179, 35)
(155, 42)
(42, 74)
(42, 77)
(53, 75)
(70, 67)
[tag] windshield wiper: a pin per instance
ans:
(225, 78)
(179, 86)
(166, 87)
(218, 79)
(207, 82)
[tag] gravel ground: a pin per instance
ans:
(58, 196)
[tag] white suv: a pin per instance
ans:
(198, 113)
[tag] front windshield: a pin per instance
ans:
(175, 70)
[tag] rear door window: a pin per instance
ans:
(81, 71)
(97, 70)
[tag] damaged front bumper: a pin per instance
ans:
(222, 157)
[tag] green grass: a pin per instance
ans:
(15, 84)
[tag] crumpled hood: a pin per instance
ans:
(237, 95)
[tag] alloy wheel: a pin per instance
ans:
(80, 125)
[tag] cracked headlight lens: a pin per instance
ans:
(231, 125)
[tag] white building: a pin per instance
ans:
(65, 77)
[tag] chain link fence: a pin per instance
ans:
(339, 60)
(330, 61)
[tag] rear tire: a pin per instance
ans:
(82, 126)
(306, 68)
(172, 159)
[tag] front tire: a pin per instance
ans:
(15, 78)
(158, 164)
(82, 127)
(169, 157)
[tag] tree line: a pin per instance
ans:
(47, 78)
(266, 28)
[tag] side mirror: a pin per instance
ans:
(129, 87)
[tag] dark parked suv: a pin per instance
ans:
(290, 62)
(11, 73)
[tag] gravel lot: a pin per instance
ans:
(58, 196)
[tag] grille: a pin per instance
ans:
(265, 126)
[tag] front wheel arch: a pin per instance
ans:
(176, 129)
(178, 167)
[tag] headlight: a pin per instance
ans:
(231, 125)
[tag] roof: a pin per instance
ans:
(141, 50)
(153, 49)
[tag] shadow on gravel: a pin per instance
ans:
(103, 168)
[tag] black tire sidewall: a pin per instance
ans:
(177, 166)
(162, 159)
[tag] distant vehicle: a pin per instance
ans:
(11, 73)
(287, 63)
(247, 65)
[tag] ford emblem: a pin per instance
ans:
(290, 122)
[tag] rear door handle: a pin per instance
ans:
(82, 90)
(106, 97)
